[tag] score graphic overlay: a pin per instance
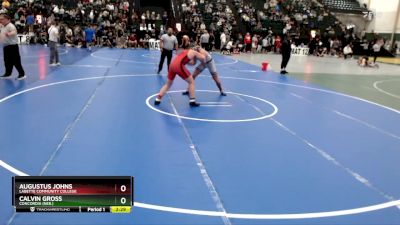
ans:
(72, 194)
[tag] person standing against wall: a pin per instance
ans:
(8, 36)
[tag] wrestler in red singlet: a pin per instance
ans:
(177, 66)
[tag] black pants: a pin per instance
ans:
(375, 54)
(205, 46)
(165, 53)
(248, 47)
(285, 60)
(348, 55)
(12, 58)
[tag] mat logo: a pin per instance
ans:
(32, 209)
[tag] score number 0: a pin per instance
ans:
(123, 190)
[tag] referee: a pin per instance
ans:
(167, 43)
(8, 37)
(286, 50)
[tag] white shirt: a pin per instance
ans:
(53, 33)
(10, 40)
(347, 50)
(254, 39)
(56, 10)
(265, 42)
(205, 38)
(69, 31)
(91, 14)
(376, 47)
(110, 7)
(169, 42)
(223, 38)
(229, 45)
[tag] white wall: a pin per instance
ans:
(384, 16)
(355, 19)
(362, 2)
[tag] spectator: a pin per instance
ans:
(30, 21)
(119, 30)
(265, 44)
(347, 51)
(335, 49)
(229, 47)
(204, 40)
(54, 38)
(247, 42)
(126, 6)
(223, 40)
(56, 10)
(254, 44)
(132, 41)
(69, 37)
(211, 43)
(99, 36)
(62, 11)
(165, 18)
(376, 48)
(110, 40)
(90, 36)
(5, 4)
(266, 5)
(278, 44)
(91, 16)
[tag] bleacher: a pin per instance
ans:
(304, 7)
(345, 6)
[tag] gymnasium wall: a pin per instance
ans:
(384, 16)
